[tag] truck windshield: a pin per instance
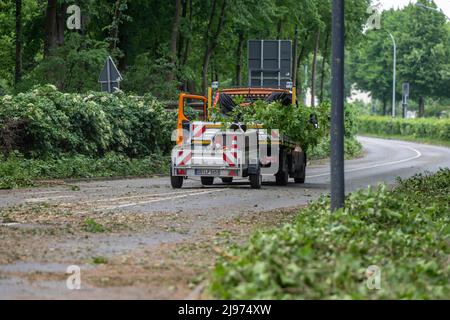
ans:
(195, 110)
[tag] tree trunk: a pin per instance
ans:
(211, 40)
(114, 32)
(313, 71)
(421, 107)
(279, 29)
(181, 38)
(384, 106)
(295, 66)
(50, 27)
(324, 59)
(54, 25)
(60, 23)
(240, 49)
(18, 70)
(174, 39)
(299, 84)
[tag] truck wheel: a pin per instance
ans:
(282, 178)
(227, 180)
(255, 181)
(299, 180)
(300, 177)
(176, 182)
(207, 181)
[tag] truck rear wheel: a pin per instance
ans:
(176, 182)
(282, 178)
(207, 181)
(301, 176)
(255, 181)
(227, 180)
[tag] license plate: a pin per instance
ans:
(207, 172)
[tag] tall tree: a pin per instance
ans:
(174, 39)
(313, 70)
(212, 37)
(54, 25)
(239, 51)
(19, 44)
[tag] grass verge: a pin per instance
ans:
(16, 171)
(431, 141)
(405, 232)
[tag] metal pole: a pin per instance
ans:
(337, 108)
(394, 74)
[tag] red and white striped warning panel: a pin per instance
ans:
(183, 158)
(230, 157)
(197, 130)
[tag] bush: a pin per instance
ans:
(16, 171)
(427, 128)
(325, 256)
(45, 122)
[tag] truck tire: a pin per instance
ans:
(227, 180)
(299, 180)
(255, 181)
(207, 181)
(176, 182)
(301, 176)
(282, 178)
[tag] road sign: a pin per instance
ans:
(110, 76)
(269, 63)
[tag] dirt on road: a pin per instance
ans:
(121, 254)
(140, 239)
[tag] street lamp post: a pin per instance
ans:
(394, 74)
(337, 107)
(421, 5)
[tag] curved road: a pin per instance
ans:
(384, 160)
(35, 260)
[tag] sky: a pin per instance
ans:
(387, 4)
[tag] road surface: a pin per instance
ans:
(188, 215)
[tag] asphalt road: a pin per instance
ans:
(384, 160)
(34, 261)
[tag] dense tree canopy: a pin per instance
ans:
(423, 51)
(165, 46)
(161, 46)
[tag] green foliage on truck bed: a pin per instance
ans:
(295, 122)
(405, 232)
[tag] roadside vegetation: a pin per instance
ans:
(429, 130)
(404, 231)
(46, 134)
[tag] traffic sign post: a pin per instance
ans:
(337, 108)
(110, 77)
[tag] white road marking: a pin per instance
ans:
(143, 195)
(47, 198)
(383, 164)
(156, 200)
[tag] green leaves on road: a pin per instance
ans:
(405, 232)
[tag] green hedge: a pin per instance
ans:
(405, 232)
(16, 171)
(45, 122)
(426, 128)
